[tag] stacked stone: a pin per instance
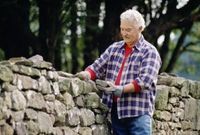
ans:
(37, 100)
(177, 106)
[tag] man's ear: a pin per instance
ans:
(140, 28)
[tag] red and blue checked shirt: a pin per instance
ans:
(142, 66)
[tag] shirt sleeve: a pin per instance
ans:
(137, 87)
(100, 65)
(92, 73)
(150, 66)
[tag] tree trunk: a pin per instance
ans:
(165, 49)
(91, 31)
(111, 24)
(178, 47)
(172, 19)
(73, 28)
(49, 12)
(14, 25)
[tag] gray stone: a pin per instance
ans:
(50, 107)
(7, 99)
(30, 114)
(60, 113)
(5, 74)
(164, 80)
(68, 131)
(89, 86)
(85, 131)
(76, 87)
(16, 59)
(49, 97)
(43, 65)
(198, 116)
(26, 70)
(52, 75)
(185, 125)
(178, 113)
(25, 62)
(195, 89)
(162, 115)
(8, 87)
(32, 127)
(178, 82)
(72, 117)
(87, 117)
(100, 119)
(64, 74)
(45, 123)
(36, 58)
(190, 133)
(190, 109)
(174, 92)
(57, 131)
(18, 100)
(174, 125)
(56, 90)
(174, 101)
(68, 100)
(44, 85)
(25, 82)
(99, 130)
(185, 89)
(20, 128)
(35, 100)
(17, 116)
(162, 97)
(79, 101)
(6, 129)
(64, 85)
(92, 100)
(103, 107)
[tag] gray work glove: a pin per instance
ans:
(83, 75)
(109, 87)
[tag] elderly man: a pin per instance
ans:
(129, 69)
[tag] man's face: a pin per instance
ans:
(130, 32)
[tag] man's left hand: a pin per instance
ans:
(109, 87)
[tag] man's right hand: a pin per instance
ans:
(83, 75)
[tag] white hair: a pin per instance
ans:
(133, 16)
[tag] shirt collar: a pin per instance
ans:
(137, 45)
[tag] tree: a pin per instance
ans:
(14, 32)
(91, 31)
(74, 26)
(163, 19)
(50, 27)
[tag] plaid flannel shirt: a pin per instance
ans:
(142, 65)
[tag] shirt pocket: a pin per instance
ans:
(134, 67)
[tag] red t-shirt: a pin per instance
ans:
(128, 51)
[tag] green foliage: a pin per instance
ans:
(33, 17)
(2, 55)
(85, 27)
(188, 66)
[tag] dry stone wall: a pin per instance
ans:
(35, 99)
(177, 106)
